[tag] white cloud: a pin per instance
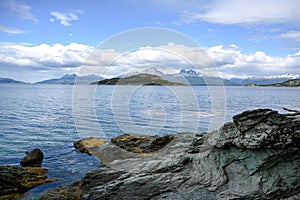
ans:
(229, 61)
(10, 30)
(224, 55)
(65, 18)
(247, 12)
(22, 9)
(255, 65)
(57, 60)
(44, 56)
(294, 35)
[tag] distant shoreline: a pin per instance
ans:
(289, 83)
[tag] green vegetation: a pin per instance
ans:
(140, 79)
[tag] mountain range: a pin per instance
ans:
(71, 79)
(259, 81)
(185, 76)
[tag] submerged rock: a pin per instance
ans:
(33, 158)
(254, 157)
(15, 181)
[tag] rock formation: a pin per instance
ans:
(33, 158)
(88, 145)
(14, 181)
(254, 157)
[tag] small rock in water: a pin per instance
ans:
(33, 158)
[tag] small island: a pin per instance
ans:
(289, 83)
(140, 79)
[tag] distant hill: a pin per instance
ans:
(258, 81)
(9, 80)
(139, 79)
(71, 79)
(289, 83)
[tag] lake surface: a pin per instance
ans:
(52, 117)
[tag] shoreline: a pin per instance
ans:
(234, 162)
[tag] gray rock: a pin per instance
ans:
(256, 157)
(33, 158)
(262, 128)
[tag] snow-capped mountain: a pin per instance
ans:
(289, 76)
(152, 71)
(189, 72)
(184, 76)
(264, 80)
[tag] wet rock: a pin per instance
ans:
(15, 181)
(256, 157)
(33, 158)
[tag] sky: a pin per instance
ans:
(249, 38)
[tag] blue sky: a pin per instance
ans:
(45, 39)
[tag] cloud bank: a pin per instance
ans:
(39, 62)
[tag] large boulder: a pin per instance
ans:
(254, 157)
(33, 158)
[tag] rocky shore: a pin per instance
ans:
(254, 157)
(15, 181)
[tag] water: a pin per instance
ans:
(52, 117)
